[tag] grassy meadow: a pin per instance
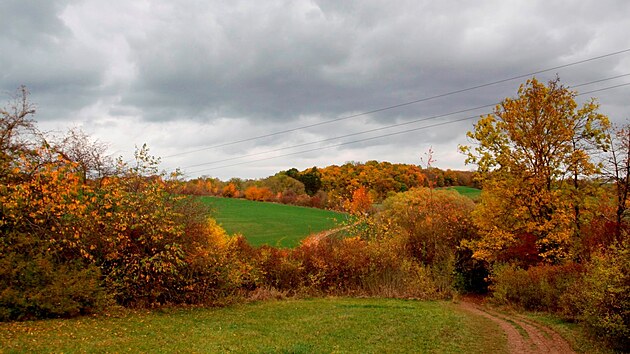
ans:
(271, 224)
(472, 193)
(292, 326)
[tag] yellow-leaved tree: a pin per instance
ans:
(533, 156)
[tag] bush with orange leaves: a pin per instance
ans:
(69, 245)
(45, 269)
(361, 202)
(261, 194)
(129, 239)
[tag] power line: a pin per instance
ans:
(380, 128)
(386, 135)
(404, 104)
(345, 136)
(342, 144)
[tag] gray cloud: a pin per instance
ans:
(191, 74)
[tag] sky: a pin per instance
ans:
(249, 88)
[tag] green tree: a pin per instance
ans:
(312, 180)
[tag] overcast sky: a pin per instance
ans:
(187, 76)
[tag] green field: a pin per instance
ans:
(472, 193)
(292, 326)
(269, 223)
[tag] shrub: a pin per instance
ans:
(601, 299)
(333, 264)
(288, 197)
(431, 223)
(391, 275)
(230, 191)
(262, 194)
(540, 288)
(39, 286)
(45, 270)
(280, 269)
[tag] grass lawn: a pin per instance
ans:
(472, 193)
(292, 326)
(271, 224)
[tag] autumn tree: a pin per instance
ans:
(429, 223)
(262, 194)
(617, 170)
(380, 178)
(90, 156)
(18, 135)
(361, 202)
(530, 153)
(230, 191)
(283, 183)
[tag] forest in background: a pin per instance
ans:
(332, 186)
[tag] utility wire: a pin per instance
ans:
(380, 128)
(386, 135)
(403, 104)
(344, 136)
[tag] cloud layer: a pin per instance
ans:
(188, 75)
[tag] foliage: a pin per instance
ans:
(261, 194)
(471, 274)
(596, 293)
(198, 186)
(430, 223)
(34, 284)
(310, 178)
(408, 247)
(449, 178)
(361, 202)
(230, 191)
(151, 237)
(379, 178)
(539, 288)
(616, 169)
(342, 266)
(531, 153)
(75, 233)
(47, 269)
(281, 183)
(601, 299)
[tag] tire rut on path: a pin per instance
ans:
(536, 338)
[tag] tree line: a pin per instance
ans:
(331, 186)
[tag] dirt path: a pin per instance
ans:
(315, 238)
(523, 335)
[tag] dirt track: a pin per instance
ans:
(523, 335)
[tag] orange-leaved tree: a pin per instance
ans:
(361, 203)
(533, 155)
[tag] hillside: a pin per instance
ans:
(270, 223)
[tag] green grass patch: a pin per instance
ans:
(292, 326)
(271, 224)
(472, 193)
(576, 335)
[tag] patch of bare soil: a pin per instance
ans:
(523, 335)
(315, 238)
